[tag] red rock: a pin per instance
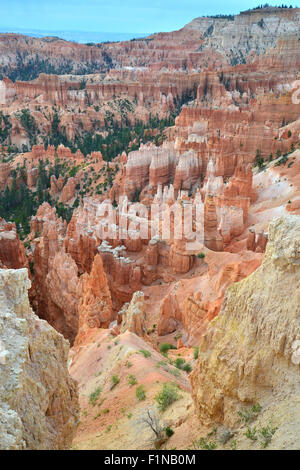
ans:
(55, 274)
(12, 251)
(212, 238)
(95, 305)
(187, 171)
(5, 171)
(57, 185)
(134, 316)
(179, 260)
(97, 156)
(69, 190)
(192, 303)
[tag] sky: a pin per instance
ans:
(138, 16)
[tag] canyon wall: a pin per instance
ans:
(250, 352)
(206, 42)
(12, 251)
(38, 399)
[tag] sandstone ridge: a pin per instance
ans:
(38, 398)
(249, 352)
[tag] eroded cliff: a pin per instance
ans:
(38, 398)
(250, 352)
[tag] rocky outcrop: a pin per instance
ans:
(149, 164)
(81, 240)
(237, 36)
(95, 305)
(45, 215)
(212, 238)
(61, 54)
(5, 171)
(124, 276)
(69, 190)
(56, 185)
(134, 315)
(38, 399)
(193, 303)
(12, 251)
(60, 292)
(257, 242)
(249, 352)
(84, 239)
(56, 280)
(188, 170)
(162, 165)
(180, 259)
(39, 152)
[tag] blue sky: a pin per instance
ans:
(139, 16)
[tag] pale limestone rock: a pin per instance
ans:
(246, 355)
(38, 399)
(134, 318)
(254, 30)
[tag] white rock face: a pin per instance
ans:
(38, 399)
(250, 350)
(256, 31)
(134, 315)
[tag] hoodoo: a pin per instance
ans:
(150, 206)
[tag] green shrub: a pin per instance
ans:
(114, 381)
(132, 380)
(251, 434)
(167, 396)
(140, 393)
(207, 443)
(145, 353)
(94, 396)
(256, 408)
(248, 415)
(196, 352)
(169, 432)
(259, 161)
(187, 367)
(161, 364)
(179, 362)
(266, 435)
(174, 372)
(201, 255)
(233, 445)
(164, 347)
(204, 444)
